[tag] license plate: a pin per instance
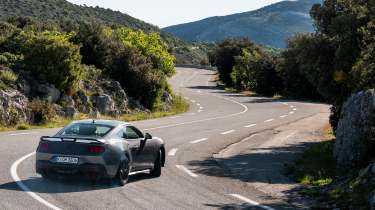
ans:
(70, 160)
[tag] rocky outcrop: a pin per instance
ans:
(356, 130)
(13, 108)
(47, 92)
(103, 103)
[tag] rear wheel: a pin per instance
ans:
(156, 172)
(123, 172)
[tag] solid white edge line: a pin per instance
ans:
(172, 152)
(183, 168)
(251, 202)
(198, 140)
(270, 120)
(249, 126)
(16, 178)
(227, 132)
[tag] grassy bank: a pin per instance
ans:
(178, 106)
(325, 184)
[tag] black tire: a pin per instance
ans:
(123, 172)
(156, 171)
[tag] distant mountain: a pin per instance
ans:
(270, 25)
(62, 10)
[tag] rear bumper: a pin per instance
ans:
(68, 169)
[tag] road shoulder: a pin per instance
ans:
(259, 160)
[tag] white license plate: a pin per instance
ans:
(70, 160)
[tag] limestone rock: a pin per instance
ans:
(356, 129)
(47, 92)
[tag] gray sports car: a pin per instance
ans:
(100, 149)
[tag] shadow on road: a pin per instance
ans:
(259, 165)
(68, 184)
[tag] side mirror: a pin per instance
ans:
(148, 136)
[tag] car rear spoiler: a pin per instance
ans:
(70, 139)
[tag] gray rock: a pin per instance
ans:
(48, 92)
(356, 129)
(103, 103)
(166, 97)
(70, 112)
(13, 108)
(82, 102)
(117, 93)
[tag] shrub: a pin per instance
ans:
(223, 57)
(8, 77)
(52, 58)
(42, 112)
(23, 127)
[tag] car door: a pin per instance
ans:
(134, 143)
(146, 150)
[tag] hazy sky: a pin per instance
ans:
(170, 12)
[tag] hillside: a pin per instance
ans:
(61, 10)
(270, 25)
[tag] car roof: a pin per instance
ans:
(113, 123)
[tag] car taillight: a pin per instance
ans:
(96, 149)
(43, 147)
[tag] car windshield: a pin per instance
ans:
(84, 129)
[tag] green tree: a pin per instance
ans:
(52, 58)
(223, 57)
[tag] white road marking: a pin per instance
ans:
(190, 173)
(227, 132)
(291, 112)
(16, 178)
(172, 152)
(285, 104)
(192, 101)
(198, 140)
(270, 120)
(251, 202)
(139, 172)
(292, 106)
(249, 126)
(199, 105)
(294, 109)
(20, 134)
(207, 119)
(200, 110)
(284, 116)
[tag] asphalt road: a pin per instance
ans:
(191, 178)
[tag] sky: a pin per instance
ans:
(171, 12)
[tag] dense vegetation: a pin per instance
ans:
(271, 25)
(139, 61)
(67, 16)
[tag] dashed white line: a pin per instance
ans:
(270, 120)
(190, 173)
(198, 140)
(198, 104)
(251, 202)
(285, 104)
(16, 178)
(294, 109)
(249, 126)
(291, 112)
(292, 106)
(200, 110)
(20, 134)
(284, 116)
(172, 152)
(227, 132)
(192, 101)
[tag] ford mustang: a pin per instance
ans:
(100, 149)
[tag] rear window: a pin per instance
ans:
(84, 129)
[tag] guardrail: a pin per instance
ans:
(196, 66)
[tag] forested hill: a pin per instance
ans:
(60, 10)
(271, 25)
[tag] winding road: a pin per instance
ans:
(192, 179)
